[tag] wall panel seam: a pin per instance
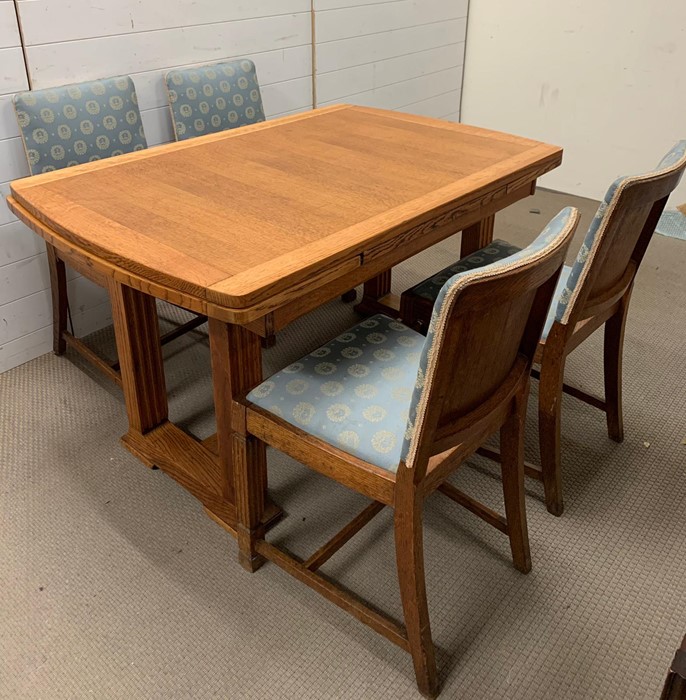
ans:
(391, 31)
(377, 61)
(163, 29)
(23, 42)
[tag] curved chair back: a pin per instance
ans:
(618, 238)
(482, 338)
(79, 123)
(212, 98)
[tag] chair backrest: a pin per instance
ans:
(618, 238)
(483, 334)
(216, 97)
(79, 123)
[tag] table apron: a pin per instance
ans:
(377, 259)
(274, 314)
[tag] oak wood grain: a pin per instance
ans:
(238, 218)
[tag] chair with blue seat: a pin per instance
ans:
(215, 97)
(392, 414)
(593, 292)
(71, 125)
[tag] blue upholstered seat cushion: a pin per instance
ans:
(572, 277)
(73, 124)
(217, 97)
(353, 392)
(493, 252)
(366, 391)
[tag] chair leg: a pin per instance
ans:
(58, 288)
(549, 414)
(613, 350)
(350, 295)
(512, 463)
(410, 560)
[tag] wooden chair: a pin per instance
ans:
(392, 415)
(594, 292)
(70, 125)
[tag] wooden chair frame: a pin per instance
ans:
(448, 430)
(62, 337)
(61, 315)
(601, 299)
(675, 683)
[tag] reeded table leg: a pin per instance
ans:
(140, 357)
(237, 368)
(206, 469)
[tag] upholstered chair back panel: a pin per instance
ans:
(79, 123)
(622, 217)
(465, 315)
(217, 97)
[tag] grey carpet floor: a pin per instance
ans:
(114, 584)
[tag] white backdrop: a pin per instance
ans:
(406, 54)
(604, 79)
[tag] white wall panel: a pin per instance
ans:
(383, 17)
(356, 51)
(403, 54)
(16, 243)
(24, 348)
(9, 31)
(444, 106)
(403, 94)
(33, 312)
(341, 84)
(49, 21)
(8, 122)
(604, 80)
(85, 59)
(23, 277)
(12, 71)
(6, 216)
(20, 249)
(12, 159)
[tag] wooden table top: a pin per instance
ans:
(237, 217)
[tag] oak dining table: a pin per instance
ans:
(253, 228)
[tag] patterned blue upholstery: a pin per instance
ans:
(594, 236)
(570, 277)
(562, 284)
(73, 124)
(445, 301)
(353, 392)
(213, 98)
(496, 250)
(364, 391)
